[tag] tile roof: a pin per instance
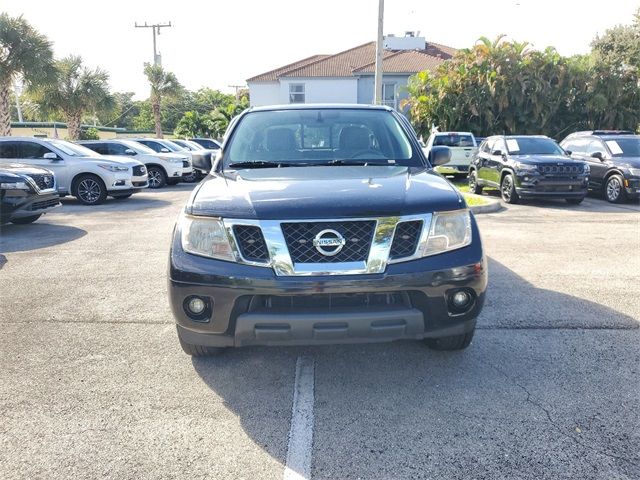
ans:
(273, 75)
(361, 59)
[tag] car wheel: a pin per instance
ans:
(574, 201)
(614, 189)
(508, 189)
(199, 350)
(473, 183)
(90, 190)
(25, 220)
(157, 177)
(454, 342)
(121, 197)
(190, 178)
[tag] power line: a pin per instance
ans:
(155, 28)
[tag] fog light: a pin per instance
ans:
(198, 309)
(460, 299)
(197, 305)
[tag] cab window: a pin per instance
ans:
(32, 150)
(9, 149)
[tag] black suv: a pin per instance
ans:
(614, 158)
(26, 193)
(325, 224)
(526, 166)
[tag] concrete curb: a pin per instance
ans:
(492, 206)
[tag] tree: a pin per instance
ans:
(76, 91)
(192, 124)
(163, 85)
(619, 47)
(23, 52)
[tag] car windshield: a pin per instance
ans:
(174, 147)
(138, 147)
(533, 146)
(72, 149)
(193, 145)
(320, 136)
(624, 147)
(453, 140)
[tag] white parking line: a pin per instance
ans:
(298, 465)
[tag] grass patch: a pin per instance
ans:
(474, 201)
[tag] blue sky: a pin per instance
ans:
(219, 43)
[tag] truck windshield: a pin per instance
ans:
(319, 137)
(533, 146)
(453, 140)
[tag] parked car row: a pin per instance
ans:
(89, 170)
(606, 162)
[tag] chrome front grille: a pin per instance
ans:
(564, 169)
(139, 170)
(295, 247)
(42, 180)
(300, 241)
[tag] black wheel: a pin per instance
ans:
(614, 189)
(157, 177)
(199, 350)
(25, 220)
(473, 183)
(574, 201)
(508, 189)
(121, 197)
(454, 342)
(89, 189)
(191, 177)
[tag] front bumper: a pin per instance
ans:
(632, 187)
(529, 186)
(453, 169)
(21, 204)
(123, 182)
(252, 306)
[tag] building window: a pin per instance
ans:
(389, 94)
(296, 93)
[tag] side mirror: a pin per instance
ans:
(598, 155)
(202, 162)
(51, 156)
(165, 150)
(568, 152)
(497, 152)
(439, 155)
(128, 151)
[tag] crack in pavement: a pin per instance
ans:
(529, 399)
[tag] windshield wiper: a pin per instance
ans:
(261, 164)
(349, 162)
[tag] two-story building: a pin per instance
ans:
(348, 76)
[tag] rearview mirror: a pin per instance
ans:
(202, 162)
(439, 155)
(128, 151)
(50, 156)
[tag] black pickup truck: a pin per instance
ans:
(325, 224)
(26, 193)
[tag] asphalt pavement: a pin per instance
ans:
(93, 383)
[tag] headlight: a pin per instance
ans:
(14, 186)
(113, 168)
(172, 160)
(448, 231)
(635, 172)
(526, 167)
(206, 237)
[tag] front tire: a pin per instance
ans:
(473, 183)
(191, 178)
(26, 220)
(157, 177)
(199, 350)
(508, 189)
(454, 342)
(89, 190)
(614, 189)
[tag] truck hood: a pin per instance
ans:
(128, 161)
(323, 192)
(632, 162)
(22, 169)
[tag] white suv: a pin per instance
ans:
(164, 168)
(160, 145)
(463, 147)
(79, 171)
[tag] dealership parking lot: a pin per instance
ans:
(93, 383)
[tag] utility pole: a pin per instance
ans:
(377, 99)
(237, 87)
(155, 28)
(17, 91)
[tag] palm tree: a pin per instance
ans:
(23, 52)
(163, 84)
(76, 91)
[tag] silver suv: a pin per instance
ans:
(164, 168)
(80, 172)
